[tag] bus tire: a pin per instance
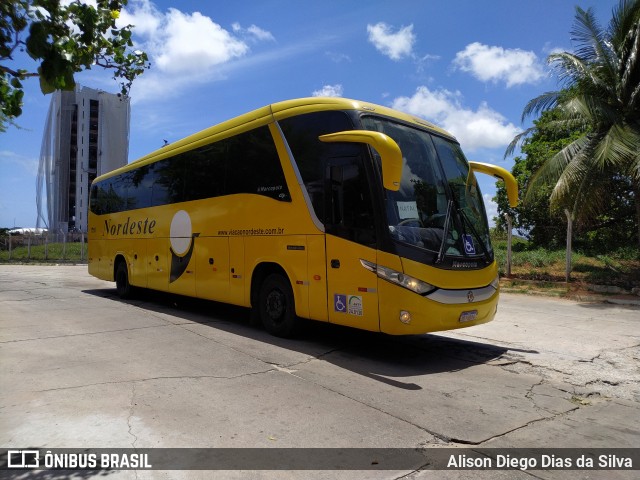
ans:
(123, 287)
(276, 306)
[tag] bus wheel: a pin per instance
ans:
(122, 281)
(276, 306)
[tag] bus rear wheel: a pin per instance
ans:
(123, 287)
(276, 306)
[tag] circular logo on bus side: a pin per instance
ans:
(182, 243)
(180, 232)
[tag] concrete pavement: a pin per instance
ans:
(81, 368)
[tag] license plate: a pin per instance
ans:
(468, 316)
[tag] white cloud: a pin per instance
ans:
(260, 34)
(424, 61)
(394, 45)
(549, 49)
(192, 42)
(338, 57)
(253, 32)
(28, 164)
(512, 66)
(143, 15)
(183, 48)
(329, 91)
(482, 128)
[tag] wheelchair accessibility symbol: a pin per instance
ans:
(340, 303)
(469, 248)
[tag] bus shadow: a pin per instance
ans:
(384, 358)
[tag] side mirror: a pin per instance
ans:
(386, 146)
(501, 174)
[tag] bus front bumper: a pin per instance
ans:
(409, 313)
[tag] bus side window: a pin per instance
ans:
(94, 204)
(253, 166)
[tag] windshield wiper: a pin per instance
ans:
(445, 233)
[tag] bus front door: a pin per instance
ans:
(352, 292)
(350, 236)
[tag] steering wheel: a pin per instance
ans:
(407, 221)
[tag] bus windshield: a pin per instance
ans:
(439, 205)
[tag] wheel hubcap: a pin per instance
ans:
(275, 304)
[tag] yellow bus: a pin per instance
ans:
(327, 209)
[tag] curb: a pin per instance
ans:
(596, 297)
(623, 300)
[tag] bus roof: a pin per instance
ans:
(263, 116)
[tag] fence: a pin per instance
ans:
(70, 246)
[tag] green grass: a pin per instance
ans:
(53, 253)
(619, 267)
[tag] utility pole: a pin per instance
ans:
(569, 235)
(509, 239)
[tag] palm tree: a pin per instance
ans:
(601, 96)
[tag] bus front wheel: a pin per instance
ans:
(123, 286)
(276, 306)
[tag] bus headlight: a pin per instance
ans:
(399, 278)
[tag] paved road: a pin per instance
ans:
(81, 368)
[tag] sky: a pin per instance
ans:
(469, 66)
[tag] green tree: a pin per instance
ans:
(601, 98)
(62, 39)
(544, 224)
(534, 217)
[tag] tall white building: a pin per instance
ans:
(86, 134)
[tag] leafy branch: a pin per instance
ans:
(63, 40)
